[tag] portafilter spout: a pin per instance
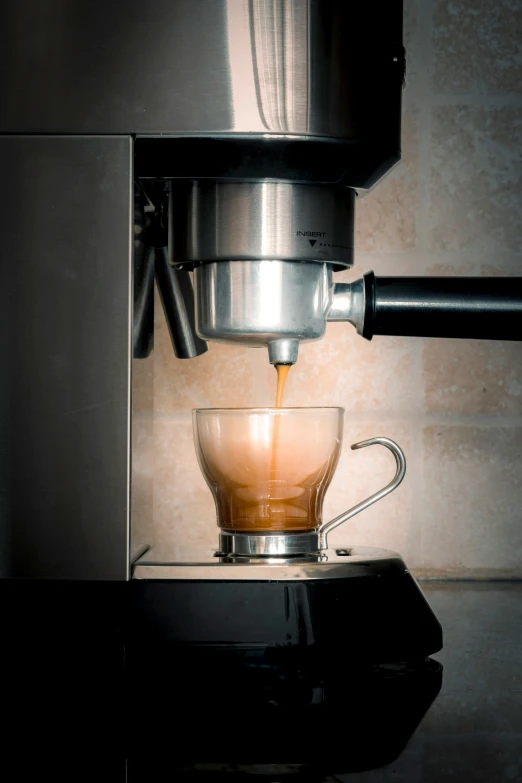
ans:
(263, 255)
(277, 304)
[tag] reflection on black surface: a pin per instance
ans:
(62, 659)
(242, 674)
(259, 713)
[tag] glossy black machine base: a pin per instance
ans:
(278, 662)
(359, 603)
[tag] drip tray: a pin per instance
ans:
(363, 605)
(203, 565)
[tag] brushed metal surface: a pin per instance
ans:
(259, 251)
(332, 564)
(349, 304)
(262, 302)
(253, 544)
(177, 294)
(268, 220)
(198, 66)
(66, 301)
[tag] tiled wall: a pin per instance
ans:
(454, 206)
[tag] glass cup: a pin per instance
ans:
(269, 468)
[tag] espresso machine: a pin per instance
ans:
(217, 147)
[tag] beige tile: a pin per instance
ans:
(500, 265)
(475, 180)
(477, 46)
(470, 377)
(503, 265)
(184, 511)
(472, 498)
(345, 369)
(142, 516)
(455, 266)
(386, 217)
(224, 376)
(143, 384)
(360, 473)
(411, 262)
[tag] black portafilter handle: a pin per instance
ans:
(483, 308)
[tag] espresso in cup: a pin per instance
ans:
(268, 468)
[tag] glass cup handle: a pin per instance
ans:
(400, 461)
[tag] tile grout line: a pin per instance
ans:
(425, 121)
(440, 256)
(424, 26)
(478, 420)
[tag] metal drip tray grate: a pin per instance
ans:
(207, 565)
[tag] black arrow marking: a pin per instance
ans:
(312, 241)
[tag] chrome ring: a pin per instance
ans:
(232, 542)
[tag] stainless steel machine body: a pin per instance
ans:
(247, 128)
(204, 67)
(267, 117)
(66, 308)
(231, 221)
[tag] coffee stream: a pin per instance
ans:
(269, 478)
(282, 373)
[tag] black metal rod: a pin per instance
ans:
(484, 308)
(177, 298)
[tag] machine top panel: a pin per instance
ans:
(196, 67)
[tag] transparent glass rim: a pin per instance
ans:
(268, 409)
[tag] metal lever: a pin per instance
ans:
(400, 460)
(177, 296)
(481, 308)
